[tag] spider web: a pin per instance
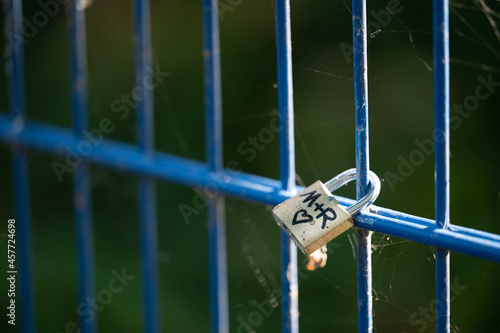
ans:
(394, 278)
(403, 271)
(400, 85)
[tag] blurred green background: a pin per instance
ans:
(401, 111)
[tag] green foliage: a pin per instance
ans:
(401, 111)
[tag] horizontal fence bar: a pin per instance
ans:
(186, 172)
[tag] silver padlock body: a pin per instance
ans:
(312, 218)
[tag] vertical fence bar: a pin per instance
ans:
(219, 307)
(81, 186)
(218, 293)
(365, 320)
(24, 239)
(148, 225)
(442, 157)
(14, 70)
(289, 282)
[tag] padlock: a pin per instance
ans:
(314, 217)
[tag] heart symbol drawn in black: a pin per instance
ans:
(303, 219)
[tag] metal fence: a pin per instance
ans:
(150, 165)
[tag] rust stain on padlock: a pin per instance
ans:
(312, 218)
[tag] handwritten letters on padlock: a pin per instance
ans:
(328, 214)
(312, 218)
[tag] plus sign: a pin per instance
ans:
(324, 213)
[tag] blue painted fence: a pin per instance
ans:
(150, 165)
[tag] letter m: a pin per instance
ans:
(311, 196)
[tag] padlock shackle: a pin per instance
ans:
(350, 175)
